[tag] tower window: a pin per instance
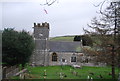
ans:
(54, 57)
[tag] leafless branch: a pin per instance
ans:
(49, 2)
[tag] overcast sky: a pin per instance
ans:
(66, 17)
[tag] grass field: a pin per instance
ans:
(63, 38)
(68, 72)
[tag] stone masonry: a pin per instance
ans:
(44, 49)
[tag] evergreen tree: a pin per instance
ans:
(17, 47)
(77, 38)
(86, 40)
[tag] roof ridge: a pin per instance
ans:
(63, 41)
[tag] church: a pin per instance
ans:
(49, 53)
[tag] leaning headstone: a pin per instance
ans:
(45, 74)
(61, 76)
(44, 77)
(88, 78)
(91, 79)
(20, 76)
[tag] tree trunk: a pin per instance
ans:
(113, 63)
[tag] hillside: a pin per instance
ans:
(62, 38)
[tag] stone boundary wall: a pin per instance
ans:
(9, 72)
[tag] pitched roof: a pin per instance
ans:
(60, 46)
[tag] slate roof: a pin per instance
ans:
(58, 46)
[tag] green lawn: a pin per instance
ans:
(53, 72)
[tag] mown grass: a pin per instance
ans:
(53, 72)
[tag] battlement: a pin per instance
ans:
(41, 25)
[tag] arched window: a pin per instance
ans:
(73, 58)
(54, 57)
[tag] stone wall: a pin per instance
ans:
(67, 56)
(40, 58)
(9, 72)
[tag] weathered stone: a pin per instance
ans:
(44, 49)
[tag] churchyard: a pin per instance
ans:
(67, 72)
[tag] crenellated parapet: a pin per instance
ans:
(41, 25)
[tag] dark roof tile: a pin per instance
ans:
(58, 46)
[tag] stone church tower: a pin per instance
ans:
(41, 52)
(48, 53)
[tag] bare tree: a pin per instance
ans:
(105, 34)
